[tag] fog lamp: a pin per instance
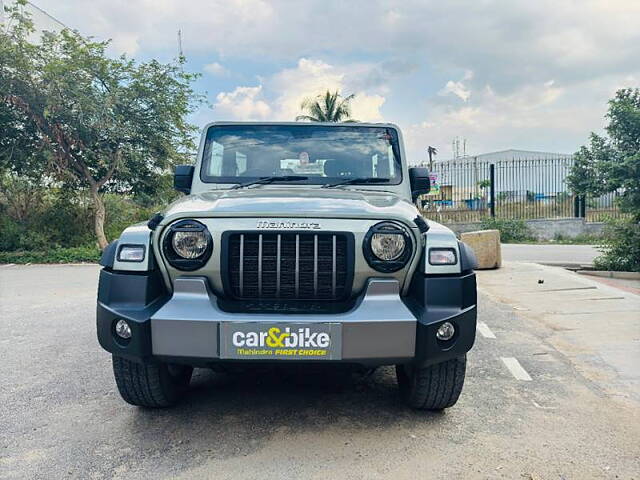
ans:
(123, 330)
(445, 331)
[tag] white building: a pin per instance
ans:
(42, 21)
(510, 154)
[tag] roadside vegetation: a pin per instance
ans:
(611, 163)
(52, 224)
(518, 231)
(511, 231)
(87, 141)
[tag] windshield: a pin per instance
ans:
(240, 153)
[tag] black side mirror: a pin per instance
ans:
(182, 178)
(419, 180)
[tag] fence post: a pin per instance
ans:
(580, 206)
(492, 189)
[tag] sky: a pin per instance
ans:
(533, 75)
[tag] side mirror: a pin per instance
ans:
(182, 178)
(419, 180)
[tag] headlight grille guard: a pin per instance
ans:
(391, 265)
(175, 260)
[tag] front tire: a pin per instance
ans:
(152, 385)
(434, 387)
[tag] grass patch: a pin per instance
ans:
(582, 239)
(57, 255)
(511, 231)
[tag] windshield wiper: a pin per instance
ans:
(266, 180)
(352, 181)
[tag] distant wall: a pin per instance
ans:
(545, 229)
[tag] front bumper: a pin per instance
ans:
(382, 328)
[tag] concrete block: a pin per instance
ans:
(486, 245)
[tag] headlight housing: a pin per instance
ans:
(387, 247)
(187, 245)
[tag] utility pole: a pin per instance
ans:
(180, 53)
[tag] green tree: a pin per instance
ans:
(88, 120)
(612, 163)
(327, 107)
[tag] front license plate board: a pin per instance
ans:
(280, 341)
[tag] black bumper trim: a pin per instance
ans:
(431, 299)
(438, 299)
(135, 298)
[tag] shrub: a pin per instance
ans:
(511, 231)
(57, 255)
(53, 219)
(620, 247)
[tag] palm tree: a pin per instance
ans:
(327, 107)
(432, 152)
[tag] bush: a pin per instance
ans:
(620, 247)
(37, 221)
(57, 255)
(511, 231)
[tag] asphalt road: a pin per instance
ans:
(61, 416)
(549, 253)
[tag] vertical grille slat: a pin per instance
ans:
(259, 265)
(241, 264)
(297, 265)
(289, 266)
(315, 265)
(333, 268)
(278, 258)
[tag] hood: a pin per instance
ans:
(294, 202)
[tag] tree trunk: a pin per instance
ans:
(99, 214)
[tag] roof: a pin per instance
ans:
(510, 154)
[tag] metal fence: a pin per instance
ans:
(468, 190)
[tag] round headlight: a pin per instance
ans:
(387, 247)
(187, 245)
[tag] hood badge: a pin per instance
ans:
(287, 225)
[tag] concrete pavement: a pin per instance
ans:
(522, 252)
(575, 417)
(596, 326)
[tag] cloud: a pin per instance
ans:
(456, 88)
(243, 103)
(543, 116)
(216, 69)
(287, 89)
(506, 74)
(500, 40)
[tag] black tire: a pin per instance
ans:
(434, 387)
(151, 385)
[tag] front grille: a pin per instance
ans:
(296, 266)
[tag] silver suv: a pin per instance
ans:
(296, 242)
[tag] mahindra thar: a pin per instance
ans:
(295, 242)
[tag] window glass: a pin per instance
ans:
(239, 153)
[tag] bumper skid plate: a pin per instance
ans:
(190, 324)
